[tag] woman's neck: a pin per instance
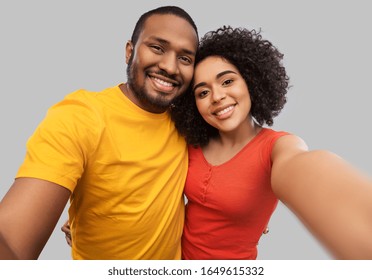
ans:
(240, 136)
(224, 147)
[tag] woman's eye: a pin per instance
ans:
(202, 94)
(227, 82)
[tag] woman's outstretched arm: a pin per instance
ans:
(331, 197)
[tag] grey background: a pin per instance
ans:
(50, 48)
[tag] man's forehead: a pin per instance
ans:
(165, 19)
(168, 27)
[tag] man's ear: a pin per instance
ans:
(128, 51)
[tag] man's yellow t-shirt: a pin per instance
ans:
(126, 169)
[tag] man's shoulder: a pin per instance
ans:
(80, 106)
(84, 94)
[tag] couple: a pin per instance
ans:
(121, 158)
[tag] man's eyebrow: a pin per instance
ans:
(160, 40)
(166, 42)
(219, 75)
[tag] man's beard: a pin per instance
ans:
(160, 102)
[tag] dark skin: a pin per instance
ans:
(30, 210)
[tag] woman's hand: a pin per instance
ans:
(66, 229)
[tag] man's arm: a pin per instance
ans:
(28, 214)
(332, 198)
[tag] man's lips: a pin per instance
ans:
(162, 83)
(165, 79)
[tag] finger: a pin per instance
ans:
(66, 228)
(66, 224)
(68, 240)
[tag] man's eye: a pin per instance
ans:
(156, 48)
(185, 59)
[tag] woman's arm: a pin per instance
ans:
(67, 230)
(332, 198)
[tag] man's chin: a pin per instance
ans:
(158, 105)
(162, 101)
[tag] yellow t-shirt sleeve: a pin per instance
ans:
(60, 146)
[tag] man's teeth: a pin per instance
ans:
(224, 111)
(164, 83)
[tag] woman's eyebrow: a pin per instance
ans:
(219, 75)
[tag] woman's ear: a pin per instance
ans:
(128, 51)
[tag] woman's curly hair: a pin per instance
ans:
(259, 63)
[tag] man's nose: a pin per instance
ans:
(169, 63)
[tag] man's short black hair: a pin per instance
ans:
(165, 10)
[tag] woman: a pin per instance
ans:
(238, 170)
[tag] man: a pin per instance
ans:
(115, 154)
